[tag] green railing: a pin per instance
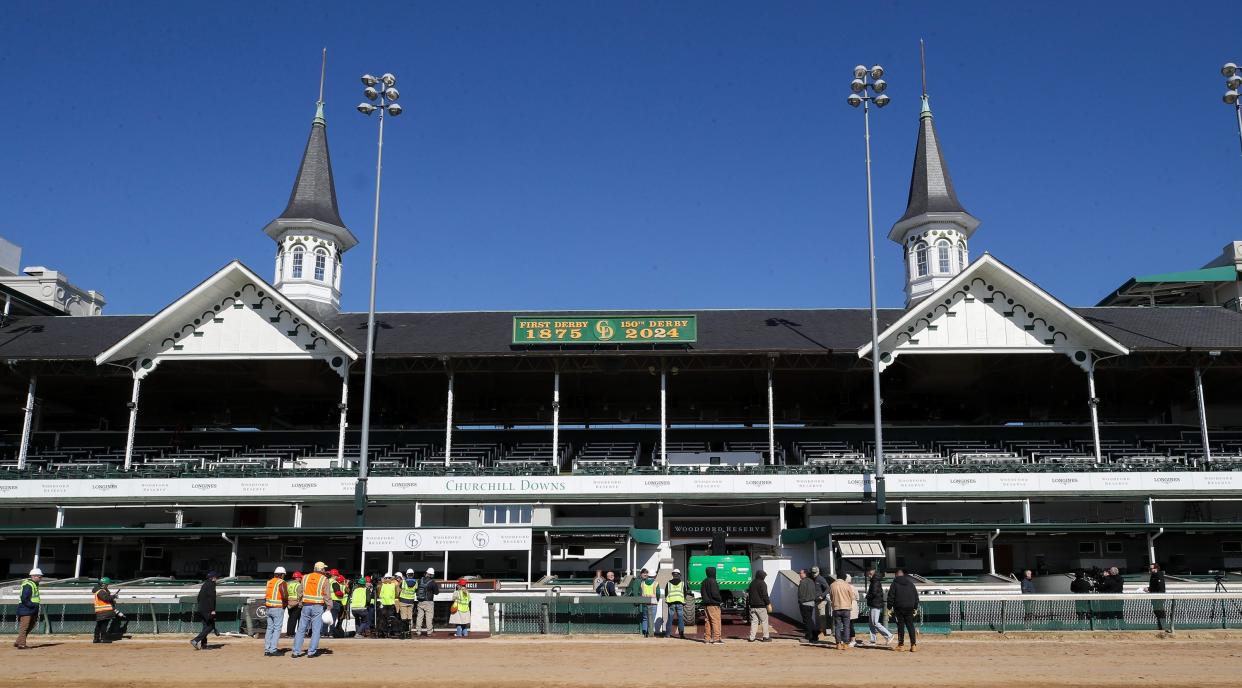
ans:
(564, 615)
(143, 618)
(1137, 612)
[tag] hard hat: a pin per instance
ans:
(431, 572)
(280, 569)
(320, 566)
(461, 581)
(361, 581)
(36, 571)
(388, 575)
(334, 572)
(297, 574)
(105, 580)
(410, 571)
(676, 570)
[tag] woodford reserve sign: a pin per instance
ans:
(757, 528)
(621, 329)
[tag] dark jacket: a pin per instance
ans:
(710, 590)
(107, 596)
(427, 589)
(1156, 582)
(207, 598)
(875, 592)
(808, 591)
(1028, 586)
(607, 588)
(1080, 586)
(1114, 585)
(902, 594)
(757, 593)
(823, 583)
(26, 606)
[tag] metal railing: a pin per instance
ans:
(1090, 612)
(151, 617)
(564, 615)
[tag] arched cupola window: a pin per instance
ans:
(296, 271)
(920, 259)
(944, 261)
(321, 264)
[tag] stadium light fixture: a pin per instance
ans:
(383, 103)
(1233, 80)
(866, 88)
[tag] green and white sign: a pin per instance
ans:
(623, 329)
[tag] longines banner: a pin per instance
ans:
(637, 486)
(446, 540)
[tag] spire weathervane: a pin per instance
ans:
(922, 63)
(323, 67)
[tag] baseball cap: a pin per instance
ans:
(815, 570)
(280, 569)
(212, 574)
(319, 566)
(36, 571)
(431, 572)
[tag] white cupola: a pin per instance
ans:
(310, 235)
(935, 231)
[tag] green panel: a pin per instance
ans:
(732, 572)
(625, 329)
(1224, 273)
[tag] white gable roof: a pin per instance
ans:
(990, 308)
(234, 314)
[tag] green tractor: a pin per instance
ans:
(733, 575)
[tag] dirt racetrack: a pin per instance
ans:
(967, 660)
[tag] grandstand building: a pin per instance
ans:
(221, 432)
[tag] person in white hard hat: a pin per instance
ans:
(426, 592)
(275, 601)
(28, 607)
(407, 599)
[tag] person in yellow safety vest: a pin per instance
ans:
(28, 607)
(360, 605)
(647, 588)
(675, 593)
(275, 600)
(316, 592)
(295, 603)
(388, 602)
(407, 600)
(460, 611)
(339, 595)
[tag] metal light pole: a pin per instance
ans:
(1233, 80)
(387, 102)
(867, 87)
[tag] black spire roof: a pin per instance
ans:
(931, 188)
(314, 194)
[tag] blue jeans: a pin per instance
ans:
(275, 619)
(647, 623)
(311, 614)
(676, 610)
(463, 631)
(362, 621)
(873, 616)
(841, 623)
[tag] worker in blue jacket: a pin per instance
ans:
(28, 607)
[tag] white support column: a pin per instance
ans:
(1149, 511)
(529, 571)
(38, 546)
(1093, 402)
(992, 551)
(344, 422)
(771, 417)
(628, 561)
(547, 546)
(233, 557)
(832, 559)
(663, 415)
(418, 514)
(780, 536)
(133, 422)
(60, 517)
(77, 560)
(905, 514)
(1203, 429)
(297, 515)
(1151, 546)
(660, 519)
(1026, 511)
(556, 420)
(448, 429)
(389, 569)
(27, 423)
(180, 518)
(446, 574)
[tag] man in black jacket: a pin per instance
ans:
(1081, 586)
(875, 605)
(709, 591)
(903, 597)
(760, 606)
(1155, 585)
(808, 597)
(206, 610)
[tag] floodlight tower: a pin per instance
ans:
(868, 87)
(1233, 80)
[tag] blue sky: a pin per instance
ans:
(636, 155)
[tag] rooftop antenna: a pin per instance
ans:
(923, 62)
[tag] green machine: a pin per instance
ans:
(733, 575)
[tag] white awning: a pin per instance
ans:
(861, 549)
